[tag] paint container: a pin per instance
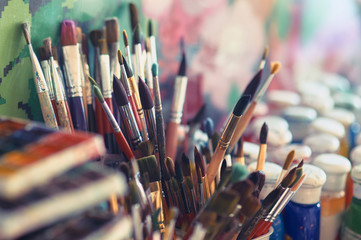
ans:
(333, 198)
(280, 99)
(302, 214)
(351, 225)
(265, 236)
(299, 119)
(301, 152)
(322, 143)
(355, 157)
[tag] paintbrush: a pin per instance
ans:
(173, 215)
(138, 52)
(153, 48)
(128, 54)
(148, 67)
(240, 153)
(119, 137)
(209, 129)
(286, 165)
(194, 125)
(275, 67)
(176, 112)
(264, 58)
(188, 179)
(95, 35)
(148, 108)
(258, 178)
(44, 62)
(126, 113)
(60, 73)
(226, 137)
(106, 88)
(199, 161)
(64, 118)
(134, 15)
(40, 83)
(263, 147)
(167, 177)
(79, 35)
(135, 93)
(136, 210)
(72, 66)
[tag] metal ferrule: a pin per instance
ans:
(114, 64)
(72, 66)
(149, 71)
(138, 56)
(153, 49)
(111, 118)
(57, 83)
(105, 75)
(130, 124)
(180, 89)
(282, 205)
(38, 72)
(88, 87)
(277, 205)
(47, 74)
(263, 88)
(150, 121)
(228, 132)
(124, 81)
(82, 77)
(201, 194)
(128, 56)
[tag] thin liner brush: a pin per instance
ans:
(107, 87)
(95, 35)
(125, 83)
(40, 82)
(226, 137)
(72, 66)
(82, 75)
(264, 58)
(64, 118)
(128, 54)
(263, 148)
(153, 48)
(44, 62)
(176, 113)
(201, 195)
(275, 67)
(134, 89)
(286, 165)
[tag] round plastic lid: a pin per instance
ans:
(344, 116)
(301, 152)
(321, 104)
(297, 113)
(261, 109)
(313, 88)
(347, 100)
(310, 190)
(273, 122)
(335, 82)
(328, 125)
(284, 98)
(355, 155)
(322, 143)
(250, 152)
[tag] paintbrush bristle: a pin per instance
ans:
(186, 165)
(298, 183)
(165, 173)
(147, 45)
(149, 165)
(225, 202)
(119, 92)
(103, 46)
(112, 30)
(289, 160)
(84, 44)
(265, 52)
(125, 38)
(263, 134)
(183, 66)
(250, 206)
(199, 116)
(136, 34)
(42, 54)
(241, 105)
(170, 166)
(134, 16)
(26, 30)
(300, 165)
(127, 69)
(253, 84)
(239, 172)
(198, 158)
(47, 47)
(146, 148)
(145, 95)
(120, 57)
(175, 185)
(55, 53)
(199, 174)
(155, 70)
(98, 93)
(68, 33)
(92, 81)
(290, 177)
(79, 35)
(150, 28)
(178, 171)
(95, 35)
(245, 188)
(133, 192)
(209, 127)
(275, 67)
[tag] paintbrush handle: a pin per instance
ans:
(91, 118)
(99, 118)
(76, 106)
(261, 157)
(63, 115)
(135, 112)
(69, 115)
(47, 110)
(53, 104)
(106, 126)
(217, 158)
(160, 135)
(242, 124)
(171, 139)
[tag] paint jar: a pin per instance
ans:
(302, 214)
(322, 143)
(279, 99)
(355, 157)
(352, 221)
(265, 236)
(299, 118)
(301, 152)
(333, 197)
(271, 171)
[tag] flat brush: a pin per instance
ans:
(126, 113)
(72, 66)
(226, 137)
(128, 54)
(134, 15)
(275, 67)
(263, 148)
(40, 82)
(176, 112)
(286, 165)
(119, 137)
(79, 35)
(153, 48)
(61, 104)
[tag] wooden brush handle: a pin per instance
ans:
(214, 164)
(135, 112)
(242, 124)
(69, 115)
(261, 157)
(123, 145)
(171, 139)
(63, 115)
(47, 110)
(99, 116)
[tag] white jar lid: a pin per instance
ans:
(322, 143)
(273, 122)
(298, 113)
(310, 190)
(250, 151)
(355, 155)
(336, 168)
(321, 104)
(261, 109)
(344, 116)
(301, 152)
(327, 125)
(312, 88)
(356, 173)
(335, 82)
(347, 100)
(283, 98)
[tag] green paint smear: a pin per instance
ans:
(2, 100)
